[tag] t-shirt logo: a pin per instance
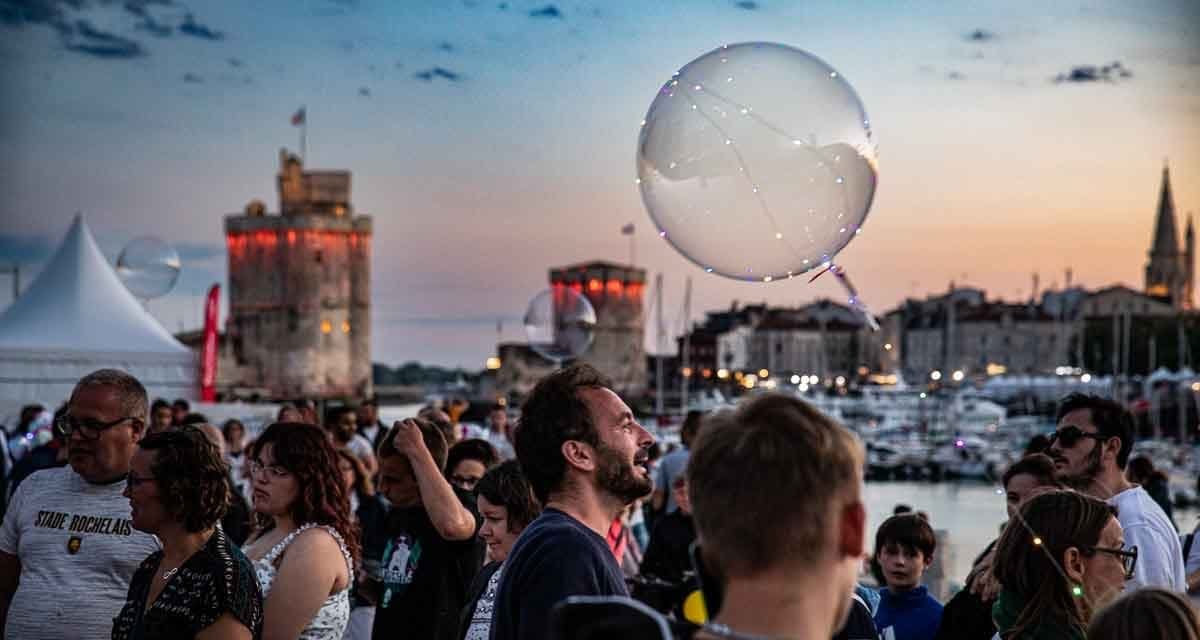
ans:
(400, 560)
(73, 545)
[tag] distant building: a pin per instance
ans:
(616, 293)
(1169, 271)
(299, 289)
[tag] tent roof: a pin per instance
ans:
(78, 304)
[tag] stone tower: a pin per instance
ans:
(615, 292)
(299, 288)
(1169, 271)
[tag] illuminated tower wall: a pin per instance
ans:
(299, 288)
(616, 292)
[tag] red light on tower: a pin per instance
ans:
(577, 287)
(291, 237)
(614, 287)
(594, 285)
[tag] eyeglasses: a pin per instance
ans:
(90, 429)
(1128, 557)
(1068, 437)
(273, 471)
(132, 481)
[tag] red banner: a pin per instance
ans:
(208, 357)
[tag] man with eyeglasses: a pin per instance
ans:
(67, 546)
(1090, 450)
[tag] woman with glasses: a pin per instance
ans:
(1059, 560)
(307, 546)
(199, 585)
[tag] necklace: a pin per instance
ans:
(170, 572)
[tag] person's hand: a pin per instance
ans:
(408, 439)
(983, 582)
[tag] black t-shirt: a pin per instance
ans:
(555, 557)
(425, 578)
(667, 556)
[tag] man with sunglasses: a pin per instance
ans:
(67, 546)
(1090, 449)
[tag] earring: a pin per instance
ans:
(1077, 590)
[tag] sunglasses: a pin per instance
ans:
(90, 429)
(1128, 557)
(1069, 436)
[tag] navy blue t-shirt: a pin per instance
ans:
(555, 557)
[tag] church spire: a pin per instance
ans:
(1166, 240)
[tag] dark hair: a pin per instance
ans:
(901, 508)
(1146, 614)
(159, 403)
(775, 459)
(1112, 420)
(191, 476)
(334, 414)
(182, 404)
(1037, 444)
(194, 418)
(1061, 520)
(473, 449)
(434, 441)
(230, 424)
(1038, 465)
(691, 426)
(306, 452)
(909, 531)
(555, 413)
(363, 485)
(130, 392)
(1142, 470)
(505, 486)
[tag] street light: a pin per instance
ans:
(795, 379)
(958, 375)
(935, 375)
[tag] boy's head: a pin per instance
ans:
(904, 546)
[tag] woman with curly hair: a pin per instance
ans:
(1060, 560)
(199, 585)
(305, 552)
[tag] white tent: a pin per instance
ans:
(77, 317)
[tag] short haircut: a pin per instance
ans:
(691, 426)
(505, 486)
(191, 476)
(434, 441)
(181, 404)
(1112, 420)
(777, 460)
(1038, 465)
(555, 413)
(473, 449)
(231, 424)
(909, 531)
(130, 393)
(194, 418)
(441, 420)
(1146, 614)
(159, 403)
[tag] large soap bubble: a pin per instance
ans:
(756, 162)
(149, 267)
(559, 324)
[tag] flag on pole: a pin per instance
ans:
(627, 230)
(298, 117)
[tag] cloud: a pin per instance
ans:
(1112, 72)
(192, 78)
(748, 5)
(548, 11)
(955, 75)
(25, 249)
(980, 35)
(236, 63)
(364, 92)
(195, 29)
(102, 44)
(47, 12)
(446, 46)
(429, 75)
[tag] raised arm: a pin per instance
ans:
(452, 520)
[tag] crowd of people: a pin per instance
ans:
(142, 520)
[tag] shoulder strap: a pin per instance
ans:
(1187, 544)
(280, 546)
(345, 550)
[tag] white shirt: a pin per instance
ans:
(360, 447)
(1160, 557)
(78, 550)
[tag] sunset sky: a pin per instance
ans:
(493, 139)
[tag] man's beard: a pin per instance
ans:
(619, 477)
(1082, 481)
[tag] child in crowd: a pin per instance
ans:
(904, 547)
